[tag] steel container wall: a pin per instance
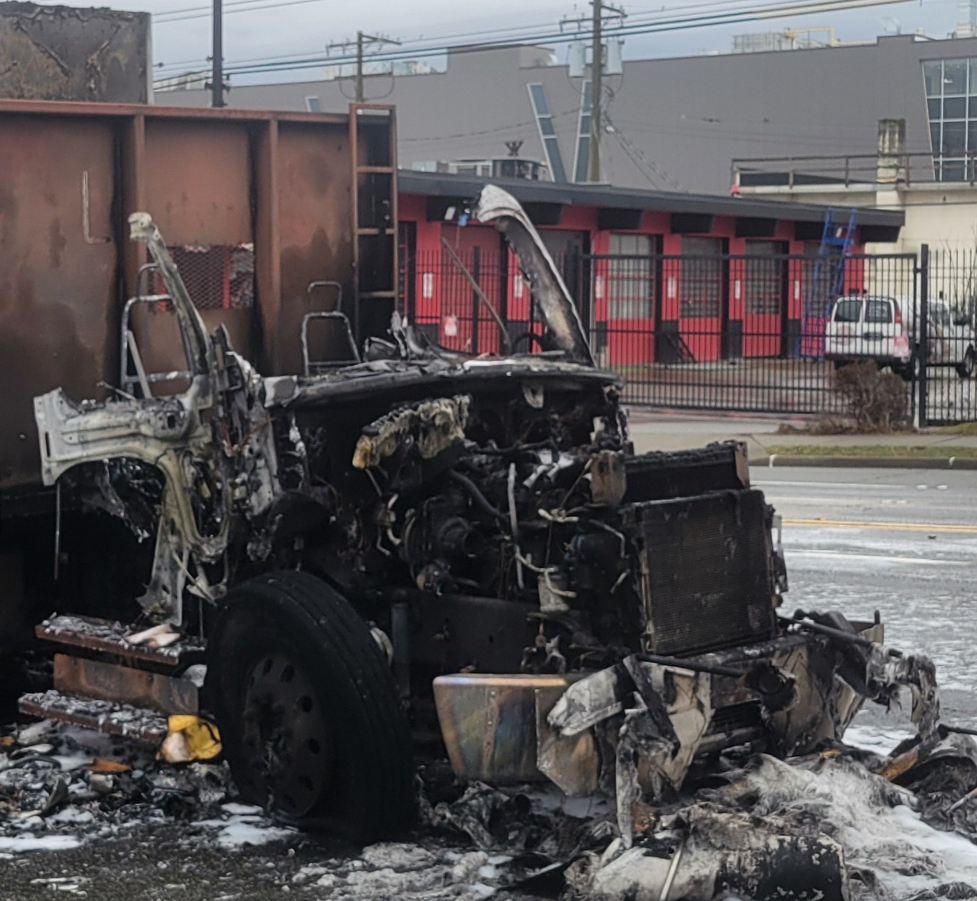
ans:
(264, 196)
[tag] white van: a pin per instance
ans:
(950, 339)
(883, 329)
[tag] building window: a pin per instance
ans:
(312, 104)
(631, 276)
(538, 96)
(702, 277)
(547, 132)
(933, 77)
(954, 76)
(581, 165)
(764, 277)
(951, 104)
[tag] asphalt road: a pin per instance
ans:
(903, 542)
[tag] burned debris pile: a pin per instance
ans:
(60, 786)
(842, 823)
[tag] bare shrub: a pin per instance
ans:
(821, 424)
(876, 400)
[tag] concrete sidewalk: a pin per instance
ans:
(923, 449)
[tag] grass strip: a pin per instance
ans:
(932, 452)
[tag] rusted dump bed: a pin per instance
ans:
(255, 205)
(64, 53)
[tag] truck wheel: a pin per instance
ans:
(966, 369)
(307, 710)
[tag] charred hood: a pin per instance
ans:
(548, 288)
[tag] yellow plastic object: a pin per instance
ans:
(190, 738)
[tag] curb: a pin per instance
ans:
(841, 462)
(665, 414)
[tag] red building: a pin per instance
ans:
(659, 276)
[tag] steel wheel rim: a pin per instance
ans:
(286, 735)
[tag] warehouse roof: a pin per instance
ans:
(437, 184)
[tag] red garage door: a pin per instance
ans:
(764, 298)
(702, 296)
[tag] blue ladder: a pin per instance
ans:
(828, 281)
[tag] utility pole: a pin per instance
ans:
(359, 66)
(596, 91)
(597, 65)
(363, 41)
(217, 72)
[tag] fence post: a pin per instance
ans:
(571, 272)
(922, 327)
(476, 310)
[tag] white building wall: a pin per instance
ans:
(943, 215)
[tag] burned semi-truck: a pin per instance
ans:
(324, 549)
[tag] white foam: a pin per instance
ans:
(872, 821)
(236, 809)
(237, 833)
(878, 739)
(19, 843)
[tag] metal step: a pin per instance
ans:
(108, 637)
(133, 723)
(79, 676)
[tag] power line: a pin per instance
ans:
(435, 139)
(279, 57)
(194, 9)
(255, 5)
(625, 142)
(177, 15)
(652, 181)
(180, 15)
(803, 7)
(421, 48)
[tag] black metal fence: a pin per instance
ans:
(948, 287)
(725, 332)
(758, 332)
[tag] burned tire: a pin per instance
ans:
(307, 709)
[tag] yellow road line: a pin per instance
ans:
(889, 526)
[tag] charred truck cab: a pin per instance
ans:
(424, 534)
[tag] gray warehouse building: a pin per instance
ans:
(674, 124)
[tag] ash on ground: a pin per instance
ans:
(92, 817)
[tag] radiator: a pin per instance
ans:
(706, 572)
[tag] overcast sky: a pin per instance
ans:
(309, 26)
